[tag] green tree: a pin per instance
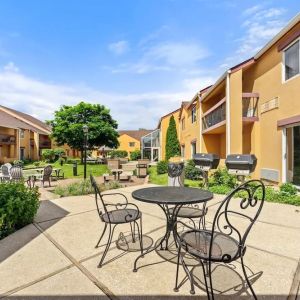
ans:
(172, 143)
(67, 126)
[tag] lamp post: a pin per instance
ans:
(85, 132)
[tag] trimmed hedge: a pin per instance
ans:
(191, 172)
(18, 206)
(118, 154)
(135, 155)
(162, 167)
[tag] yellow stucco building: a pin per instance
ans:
(130, 140)
(21, 136)
(254, 107)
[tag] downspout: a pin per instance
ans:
(228, 122)
(200, 122)
(19, 143)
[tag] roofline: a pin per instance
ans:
(251, 60)
(170, 113)
(3, 108)
(213, 87)
(278, 36)
(197, 95)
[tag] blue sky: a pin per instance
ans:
(140, 58)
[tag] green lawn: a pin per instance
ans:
(162, 179)
(96, 170)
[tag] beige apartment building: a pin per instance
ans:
(254, 107)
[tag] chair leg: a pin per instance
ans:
(205, 280)
(132, 232)
(246, 277)
(103, 232)
(189, 275)
(210, 280)
(177, 270)
(111, 232)
(140, 229)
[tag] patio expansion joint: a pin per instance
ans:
(67, 216)
(295, 287)
(26, 285)
(81, 268)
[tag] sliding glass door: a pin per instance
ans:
(293, 155)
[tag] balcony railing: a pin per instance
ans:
(6, 139)
(45, 144)
(215, 115)
(250, 104)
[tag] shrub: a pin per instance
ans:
(162, 167)
(135, 155)
(288, 189)
(222, 177)
(83, 187)
(18, 163)
(220, 189)
(18, 206)
(48, 155)
(118, 154)
(36, 163)
(191, 172)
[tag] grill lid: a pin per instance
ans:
(206, 159)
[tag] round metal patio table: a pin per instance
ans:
(164, 197)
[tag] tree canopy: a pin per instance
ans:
(67, 126)
(172, 143)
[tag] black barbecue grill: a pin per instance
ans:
(206, 162)
(241, 164)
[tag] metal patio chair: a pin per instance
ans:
(192, 211)
(16, 174)
(225, 242)
(113, 214)
(45, 176)
(5, 170)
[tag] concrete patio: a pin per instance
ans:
(56, 257)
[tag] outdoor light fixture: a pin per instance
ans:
(85, 130)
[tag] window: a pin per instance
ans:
(22, 133)
(131, 144)
(194, 114)
(183, 124)
(193, 149)
(291, 61)
(182, 150)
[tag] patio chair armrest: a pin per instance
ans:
(114, 194)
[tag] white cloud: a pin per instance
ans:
(11, 67)
(132, 111)
(262, 25)
(119, 47)
(166, 56)
(198, 83)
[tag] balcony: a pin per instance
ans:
(6, 139)
(250, 105)
(214, 119)
(45, 144)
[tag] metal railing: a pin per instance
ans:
(214, 117)
(250, 105)
(6, 139)
(45, 144)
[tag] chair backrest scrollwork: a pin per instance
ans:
(237, 214)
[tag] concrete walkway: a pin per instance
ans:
(56, 257)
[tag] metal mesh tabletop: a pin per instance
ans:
(172, 195)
